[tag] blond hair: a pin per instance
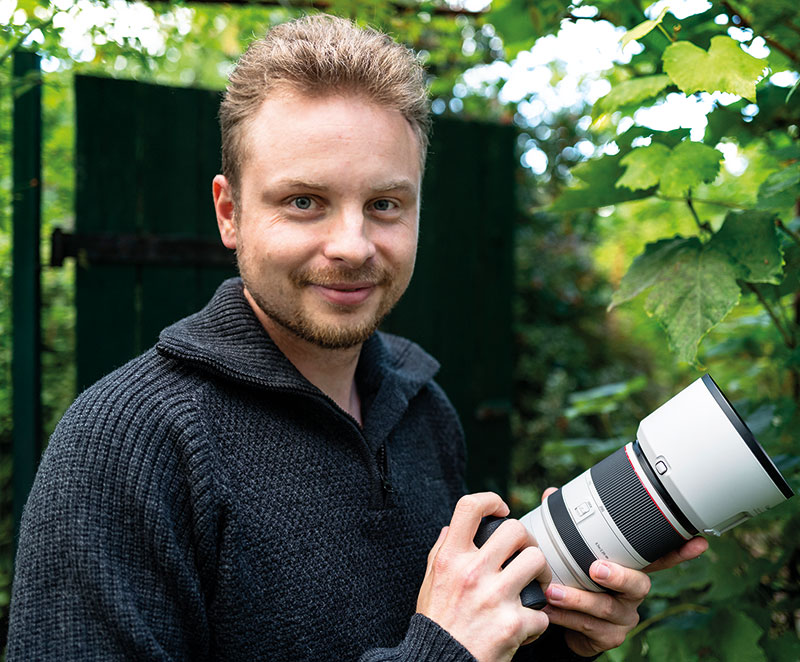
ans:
(321, 54)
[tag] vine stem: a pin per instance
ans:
(788, 340)
(718, 203)
(703, 226)
(672, 611)
(666, 34)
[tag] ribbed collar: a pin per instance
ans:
(226, 339)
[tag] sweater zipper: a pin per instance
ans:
(383, 471)
(379, 462)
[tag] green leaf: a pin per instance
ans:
(737, 637)
(643, 166)
(724, 68)
(521, 22)
(689, 164)
(646, 269)
(642, 29)
(692, 288)
(692, 296)
(666, 644)
(631, 92)
(781, 189)
(597, 186)
(751, 241)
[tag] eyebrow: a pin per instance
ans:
(304, 184)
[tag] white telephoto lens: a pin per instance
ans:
(695, 467)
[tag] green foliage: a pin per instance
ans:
(631, 93)
(707, 231)
(724, 68)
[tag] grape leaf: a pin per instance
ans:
(781, 189)
(737, 637)
(692, 296)
(634, 91)
(643, 166)
(642, 29)
(645, 269)
(752, 243)
(724, 68)
(667, 645)
(597, 186)
(689, 164)
(692, 288)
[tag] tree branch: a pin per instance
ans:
(672, 611)
(772, 43)
(788, 338)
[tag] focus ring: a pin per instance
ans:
(634, 512)
(568, 532)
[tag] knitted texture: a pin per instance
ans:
(206, 502)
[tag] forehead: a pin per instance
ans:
(294, 132)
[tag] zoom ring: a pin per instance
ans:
(634, 512)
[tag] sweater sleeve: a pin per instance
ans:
(425, 641)
(106, 567)
(550, 647)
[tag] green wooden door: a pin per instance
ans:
(146, 156)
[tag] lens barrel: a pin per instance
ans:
(695, 466)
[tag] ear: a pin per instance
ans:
(223, 205)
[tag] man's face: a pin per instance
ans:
(326, 232)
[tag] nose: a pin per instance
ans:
(348, 238)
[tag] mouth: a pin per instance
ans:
(345, 294)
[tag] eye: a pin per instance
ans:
(303, 202)
(383, 205)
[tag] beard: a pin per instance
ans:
(283, 305)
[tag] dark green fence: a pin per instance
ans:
(147, 250)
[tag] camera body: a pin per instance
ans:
(695, 467)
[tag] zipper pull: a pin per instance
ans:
(383, 470)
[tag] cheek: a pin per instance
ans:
(400, 244)
(278, 245)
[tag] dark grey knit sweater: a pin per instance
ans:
(206, 502)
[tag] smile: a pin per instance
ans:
(345, 294)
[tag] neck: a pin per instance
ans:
(332, 371)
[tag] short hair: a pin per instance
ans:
(321, 54)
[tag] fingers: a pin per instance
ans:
(509, 537)
(598, 621)
(438, 544)
(627, 583)
(691, 550)
(578, 610)
(527, 565)
(467, 517)
(548, 492)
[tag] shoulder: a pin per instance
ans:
(136, 432)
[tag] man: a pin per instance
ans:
(267, 482)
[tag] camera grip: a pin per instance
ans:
(532, 595)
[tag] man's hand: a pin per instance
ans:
(597, 622)
(468, 592)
